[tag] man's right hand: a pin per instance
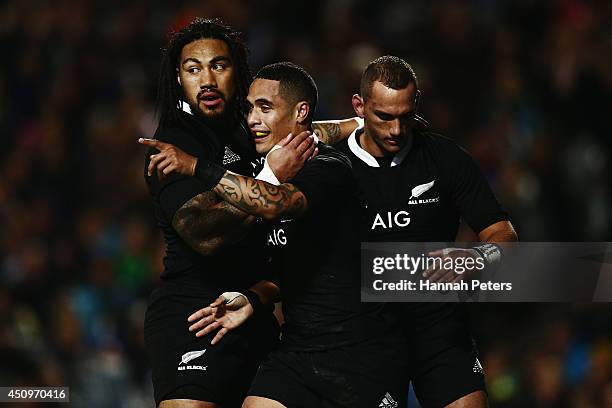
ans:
(226, 313)
(170, 158)
(289, 159)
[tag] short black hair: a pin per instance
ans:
(295, 83)
(393, 72)
(169, 93)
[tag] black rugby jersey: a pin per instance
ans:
(235, 267)
(421, 197)
(317, 259)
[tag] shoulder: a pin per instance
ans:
(442, 147)
(195, 140)
(343, 146)
(329, 155)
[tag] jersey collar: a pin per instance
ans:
(185, 107)
(367, 158)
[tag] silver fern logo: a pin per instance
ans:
(192, 355)
(420, 189)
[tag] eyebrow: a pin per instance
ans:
(191, 59)
(219, 58)
(383, 113)
(262, 101)
(379, 112)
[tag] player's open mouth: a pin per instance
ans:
(211, 99)
(259, 135)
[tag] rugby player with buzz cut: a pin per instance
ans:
(416, 186)
(211, 246)
(334, 351)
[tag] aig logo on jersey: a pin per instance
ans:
(277, 237)
(391, 220)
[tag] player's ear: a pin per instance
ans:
(178, 78)
(302, 110)
(417, 100)
(358, 105)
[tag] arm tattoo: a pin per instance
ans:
(327, 132)
(260, 198)
(206, 225)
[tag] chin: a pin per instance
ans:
(212, 113)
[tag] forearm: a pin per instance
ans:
(207, 226)
(259, 198)
(333, 131)
(499, 233)
(267, 292)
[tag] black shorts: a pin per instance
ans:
(345, 377)
(443, 359)
(187, 367)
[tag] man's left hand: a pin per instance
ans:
(226, 313)
(289, 159)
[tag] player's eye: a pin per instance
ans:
(266, 108)
(408, 117)
(385, 116)
(219, 66)
(193, 70)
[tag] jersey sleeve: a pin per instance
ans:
(175, 194)
(471, 192)
(173, 191)
(325, 181)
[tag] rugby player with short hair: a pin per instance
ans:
(416, 186)
(334, 350)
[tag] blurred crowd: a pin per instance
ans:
(524, 85)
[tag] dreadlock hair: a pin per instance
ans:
(393, 72)
(170, 92)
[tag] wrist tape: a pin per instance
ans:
(256, 303)
(490, 252)
(208, 173)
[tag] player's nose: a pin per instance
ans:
(252, 118)
(395, 128)
(208, 79)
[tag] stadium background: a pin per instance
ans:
(524, 85)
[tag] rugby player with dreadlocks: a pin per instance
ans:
(203, 83)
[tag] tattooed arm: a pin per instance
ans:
(257, 197)
(333, 131)
(206, 226)
(252, 196)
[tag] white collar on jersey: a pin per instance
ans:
(367, 158)
(185, 107)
